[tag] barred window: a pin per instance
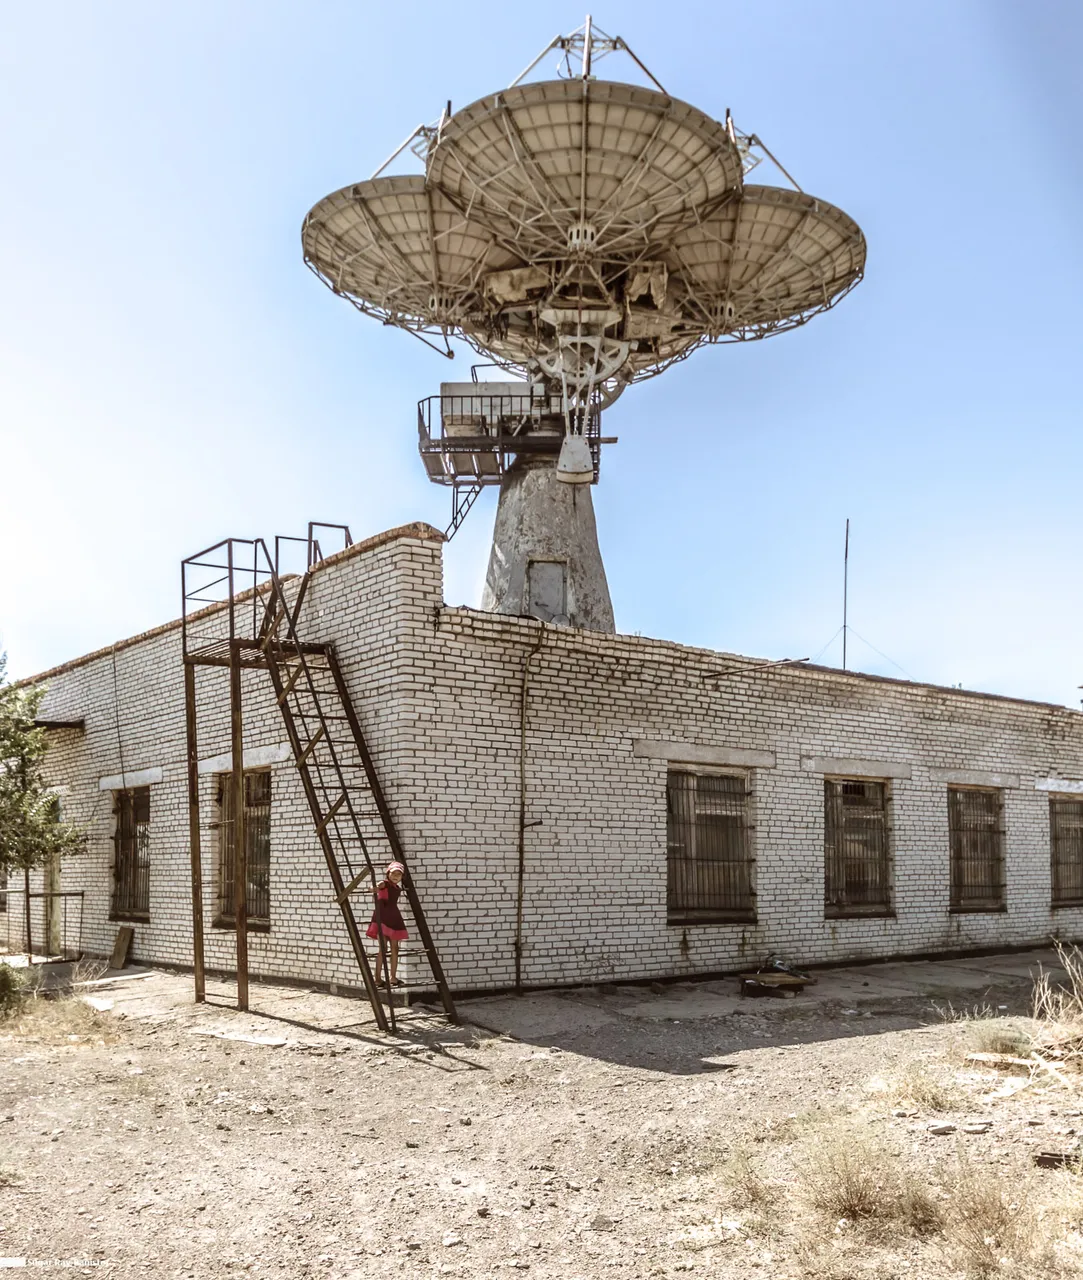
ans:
(709, 861)
(976, 832)
(257, 845)
(1066, 844)
(131, 854)
(857, 858)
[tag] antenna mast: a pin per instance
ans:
(845, 590)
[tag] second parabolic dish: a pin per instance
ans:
(587, 231)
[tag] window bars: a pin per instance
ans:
(857, 857)
(709, 858)
(976, 834)
(1066, 845)
(257, 841)
(131, 860)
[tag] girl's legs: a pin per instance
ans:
(394, 960)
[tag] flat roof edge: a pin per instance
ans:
(755, 664)
(418, 529)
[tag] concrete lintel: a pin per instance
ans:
(697, 753)
(974, 778)
(849, 767)
(131, 778)
(1066, 786)
(254, 758)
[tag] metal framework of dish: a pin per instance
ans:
(583, 234)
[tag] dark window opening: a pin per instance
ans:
(709, 858)
(857, 857)
(131, 855)
(3, 891)
(257, 845)
(977, 850)
(1066, 843)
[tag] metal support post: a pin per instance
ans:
(26, 899)
(195, 850)
(240, 860)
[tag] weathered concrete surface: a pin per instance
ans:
(960, 982)
(541, 519)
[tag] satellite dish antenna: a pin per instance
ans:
(581, 235)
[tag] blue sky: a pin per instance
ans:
(170, 372)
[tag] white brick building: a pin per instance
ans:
(832, 833)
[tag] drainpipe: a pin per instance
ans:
(524, 689)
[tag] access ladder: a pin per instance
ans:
(349, 810)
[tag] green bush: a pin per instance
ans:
(12, 990)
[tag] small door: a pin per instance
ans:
(547, 594)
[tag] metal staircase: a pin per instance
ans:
(257, 626)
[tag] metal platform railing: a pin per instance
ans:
(468, 441)
(55, 924)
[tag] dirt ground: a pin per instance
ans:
(624, 1131)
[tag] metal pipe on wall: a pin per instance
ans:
(524, 690)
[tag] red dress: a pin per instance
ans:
(387, 898)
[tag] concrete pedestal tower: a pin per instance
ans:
(545, 560)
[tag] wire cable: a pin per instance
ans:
(883, 655)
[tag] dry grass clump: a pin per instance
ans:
(87, 970)
(1059, 1011)
(998, 1036)
(850, 1176)
(742, 1174)
(65, 1020)
(918, 1207)
(928, 1089)
(991, 1225)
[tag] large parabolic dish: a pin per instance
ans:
(567, 165)
(582, 234)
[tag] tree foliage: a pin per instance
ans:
(30, 830)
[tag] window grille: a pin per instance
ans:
(977, 850)
(709, 862)
(1066, 843)
(257, 844)
(857, 860)
(3, 891)
(131, 857)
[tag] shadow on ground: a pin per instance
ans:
(685, 1028)
(691, 1028)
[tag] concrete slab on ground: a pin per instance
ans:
(541, 1015)
(285, 1017)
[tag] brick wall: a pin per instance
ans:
(439, 692)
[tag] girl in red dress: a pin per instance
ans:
(390, 917)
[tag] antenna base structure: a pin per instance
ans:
(545, 561)
(582, 235)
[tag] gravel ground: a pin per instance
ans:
(139, 1140)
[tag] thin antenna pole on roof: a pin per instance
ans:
(586, 48)
(845, 590)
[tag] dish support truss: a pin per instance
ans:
(241, 613)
